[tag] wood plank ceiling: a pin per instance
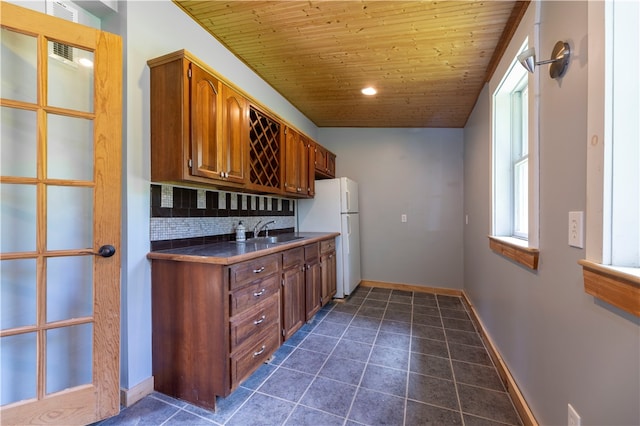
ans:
(428, 59)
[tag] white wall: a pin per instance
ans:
(562, 345)
(417, 172)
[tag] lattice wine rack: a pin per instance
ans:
(264, 150)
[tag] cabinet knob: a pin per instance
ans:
(259, 293)
(257, 271)
(260, 321)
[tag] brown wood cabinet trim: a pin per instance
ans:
(611, 285)
(525, 256)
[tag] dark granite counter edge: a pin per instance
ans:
(228, 253)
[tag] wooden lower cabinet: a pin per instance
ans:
(214, 325)
(328, 270)
(293, 302)
(190, 339)
(312, 278)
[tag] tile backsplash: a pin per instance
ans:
(183, 217)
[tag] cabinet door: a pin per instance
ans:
(235, 144)
(303, 165)
(313, 284)
(328, 266)
(204, 107)
(331, 164)
(293, 303)
(312, 279)
(292, 161)
(311, 168)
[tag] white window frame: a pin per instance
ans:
(517, 249)
(600, 223)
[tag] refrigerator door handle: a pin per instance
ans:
(348, 200)
(348, 234)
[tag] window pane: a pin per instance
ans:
(69, 357)
(625, 196)
(18, 218)
(69, 217)
(69, 287)
(18, 142)
(67, 76)
(18, 368)
(19, 66)
(17, 293)
(69, 148)
(520, 199)
(524, 120)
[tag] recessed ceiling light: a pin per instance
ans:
(369, 91)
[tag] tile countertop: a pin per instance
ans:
(230, 252)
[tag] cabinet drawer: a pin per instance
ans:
(253, 293)
(292, 257)
(245, 272)
(246, 362)
(254, 321)
(311, 253)
(327, 245)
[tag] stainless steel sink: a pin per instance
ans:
(275, 239)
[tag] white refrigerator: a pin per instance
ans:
(335, 209)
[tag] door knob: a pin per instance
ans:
(106, 251)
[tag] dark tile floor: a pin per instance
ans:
(383, 357)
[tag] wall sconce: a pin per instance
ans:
(559, 59)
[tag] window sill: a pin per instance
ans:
(619, 287)
(516, 250)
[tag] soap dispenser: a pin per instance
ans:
(241, 232)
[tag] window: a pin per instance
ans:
(511, 166)
(520, 161)
(612, 265)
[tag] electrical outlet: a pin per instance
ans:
(576, 233)
(573, 419)
(403, 218)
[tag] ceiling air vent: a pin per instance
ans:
(57, 50)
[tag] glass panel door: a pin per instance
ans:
(58, 137)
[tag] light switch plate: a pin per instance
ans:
(576, 229)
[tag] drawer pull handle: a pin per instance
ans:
(257, 271)
(255, 354)
(259, 293)
(260, 321)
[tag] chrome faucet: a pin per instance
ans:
(258, 228)
(255, 229)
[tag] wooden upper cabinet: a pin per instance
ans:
(325, 163)
(206, 144)
(299, 164)
(234, 143)
(265, 152)
(291, 161)
(199, 126)
(296, 171)
(203, 131)
(311, 168)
